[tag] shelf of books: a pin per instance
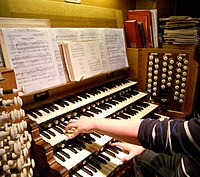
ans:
(144, 29)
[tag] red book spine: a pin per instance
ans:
(132, 16)
(133, 36)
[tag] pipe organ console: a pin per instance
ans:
(164, 77)
(87, 154)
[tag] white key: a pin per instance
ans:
(84, 174)
(50, 141)
(125, 103)
(99, 141)
(84, 101)
(116, 161)
(67, 163)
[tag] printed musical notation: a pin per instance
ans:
(84, 59)
(32, 57)
(116, 50)
(35, 56)
(111, 41)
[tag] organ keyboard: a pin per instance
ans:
(87, 154)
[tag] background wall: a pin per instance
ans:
(168, 8)
(90, 13)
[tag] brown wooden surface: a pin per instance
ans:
(139, 66)
(63, 14)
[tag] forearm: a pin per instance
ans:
(124, 130)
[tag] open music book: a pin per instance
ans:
(35, 56)
(82, 59)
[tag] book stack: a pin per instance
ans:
(180, 30)
(141, 28)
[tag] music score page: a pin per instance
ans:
(32, 57)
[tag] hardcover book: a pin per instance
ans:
(137, 15)
(133, 35)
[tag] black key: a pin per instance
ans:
(102, 106)
(91, 167)
(94, 164)
(61, 126)
(60, 103)
(109, 86)
(136, 107)
(70, 99)
(124, 116)
(45, 110)
(110, 153)
(60, 157)
(118, 98)
(45, 135)
(102, 89)
(87, 114)
(87, 171)
(143, 104)
(131, 112)
(117, 148)
(112, 102)
(38, 112)
(113, 149)
(33, 115)
(49, 107)
(64, 154)
(65, 103)
(107, 105)
(96, 134)
(101, 160)
(73, 98)
(127, 95)
(72, 149)
(50, 132)
(89, 137)
(104, 156)
(77, 174)
(84, 95)
(76, 141)
(76, 146)
(95, 110)
(64, 124)
(78, 98)
(54, 106)
(85, 139)
(58, 130)
(133, 92)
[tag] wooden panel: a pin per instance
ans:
(65, 14)
(9, 81)
(113, 4)
(186, 107)
(116, 4)
(132, 56)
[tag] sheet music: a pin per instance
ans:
(57, 54)
(111, 40)
(116, 49)
(97, 35)
(32, 57)
(65, 34)
(85, 58)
